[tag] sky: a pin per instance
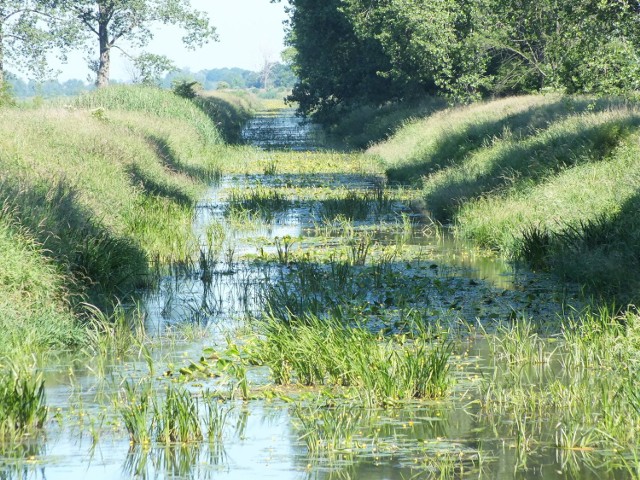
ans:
(249, 31)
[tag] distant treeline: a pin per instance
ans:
(280, 76)
(355, 52)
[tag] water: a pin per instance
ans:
(264, 438)
(280, 129)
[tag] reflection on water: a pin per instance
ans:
(281, 130)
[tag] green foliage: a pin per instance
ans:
(150, 68)
(7, 98)
(173, 416)
(186, 88)
(116, 22)
(29, 30)
(546, 179)
(154, 101)
(463, 50)
(23, 409)
(335, 67)
(90, 201)
(314, 351)
(229, 110)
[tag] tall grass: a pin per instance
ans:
(170, 417)
(90, 194)
(34, 301)
(230, 109)
(365, 125)
(588, 389)
(313, 351)
(23, 409)
(551, 180)
(151, 101)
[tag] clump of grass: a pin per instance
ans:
(34, 300)
(313, 351)
(518, 343)
(536, 247)
(114, 334)
(169, 417)
(328, 430)
(591, 399)
(23, 409)
(353, 205)
(260, 202)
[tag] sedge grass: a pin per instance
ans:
(23, 409)
(170, 416)
(587, 389)
(313, 351)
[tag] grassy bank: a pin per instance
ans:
(91, 195)
(551, 180)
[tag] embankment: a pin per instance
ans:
(551, 180)
(91, 195)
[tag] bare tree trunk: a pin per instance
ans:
(102, 78)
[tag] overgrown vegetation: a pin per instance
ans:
(550, 180)
(92, 195)
(382, 371)
(400, 51)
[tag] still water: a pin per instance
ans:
(264, 438)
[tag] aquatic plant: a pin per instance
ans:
(171, 415)
(114, 334)
(23, 409)
(260, 202)
(318, 351)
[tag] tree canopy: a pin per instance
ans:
(121, 23)
(28, 30)
(349, 52)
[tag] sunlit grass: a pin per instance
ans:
(313, 351)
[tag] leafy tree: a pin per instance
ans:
(29, 29)
(577, 46)
(116, 22)
(431, 44)
(349, 52)
(151, 68)
(336, 67)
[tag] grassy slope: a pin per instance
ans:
(549, 179)
(88, 195)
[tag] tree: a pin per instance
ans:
(336, 68)
(28, 30)
(266, 71)
(352, 52)
(120, 23)
(576, 46)
(149, 68)
(431, 45)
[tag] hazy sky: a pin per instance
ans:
(249, 31)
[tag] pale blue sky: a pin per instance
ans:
(249, 31)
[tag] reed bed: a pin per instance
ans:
(311, 351)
